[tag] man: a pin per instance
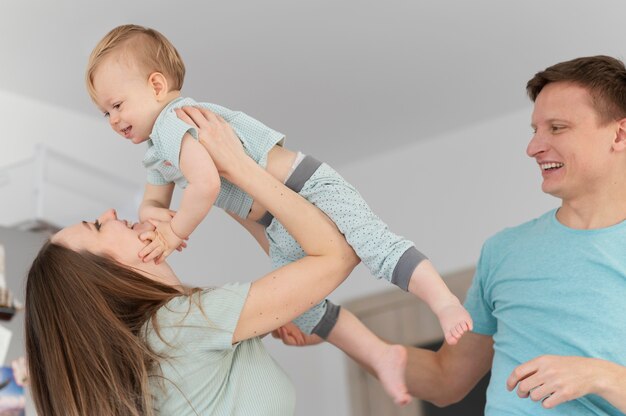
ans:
(548, 299)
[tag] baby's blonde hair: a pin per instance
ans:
(148, 49)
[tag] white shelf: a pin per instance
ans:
(53, 190)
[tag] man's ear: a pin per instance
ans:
(619, 143)
(158, 82)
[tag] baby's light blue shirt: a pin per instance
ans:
(162, 156)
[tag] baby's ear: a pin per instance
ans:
(158, 82)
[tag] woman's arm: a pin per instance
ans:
(287, 292)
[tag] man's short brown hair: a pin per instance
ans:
(603, 76)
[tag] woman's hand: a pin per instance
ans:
(218, 138)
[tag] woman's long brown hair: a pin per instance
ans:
(84, 320)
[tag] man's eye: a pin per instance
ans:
(116, 106)
(106, 115)
(97, 224)
(554, 129)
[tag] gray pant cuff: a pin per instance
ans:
(404, 268)
(295, 182)
(328, 321)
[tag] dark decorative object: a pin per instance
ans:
(8, 304)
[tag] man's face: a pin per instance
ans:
(570, 144)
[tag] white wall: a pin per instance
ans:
(27, 122)
(447, 193)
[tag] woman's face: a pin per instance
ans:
(107, 235)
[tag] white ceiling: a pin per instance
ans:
(343, 79)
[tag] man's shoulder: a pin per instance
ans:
(515, 233)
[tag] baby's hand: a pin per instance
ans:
(163, 241)
(144, 226)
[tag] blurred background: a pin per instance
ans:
(420, 104)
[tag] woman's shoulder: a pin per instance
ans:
(202, 315)
(215, 305)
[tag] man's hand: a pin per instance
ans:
(290, 334)
(163, 241)
(555, 379)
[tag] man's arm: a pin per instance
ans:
(446, 376)
(555, 379)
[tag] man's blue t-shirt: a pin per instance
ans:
(543, 288)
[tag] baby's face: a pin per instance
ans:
(126, 97)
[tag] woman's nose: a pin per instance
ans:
(108, 215)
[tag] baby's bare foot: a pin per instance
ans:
(455, 321)
(390, 369)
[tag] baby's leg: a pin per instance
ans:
(426, 284)
(342, 329)
(386, 361)
(386, 254)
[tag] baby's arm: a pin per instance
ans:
(203, 186)
(156, 203)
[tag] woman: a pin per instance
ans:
(107, 334)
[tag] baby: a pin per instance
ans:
(135, 76)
